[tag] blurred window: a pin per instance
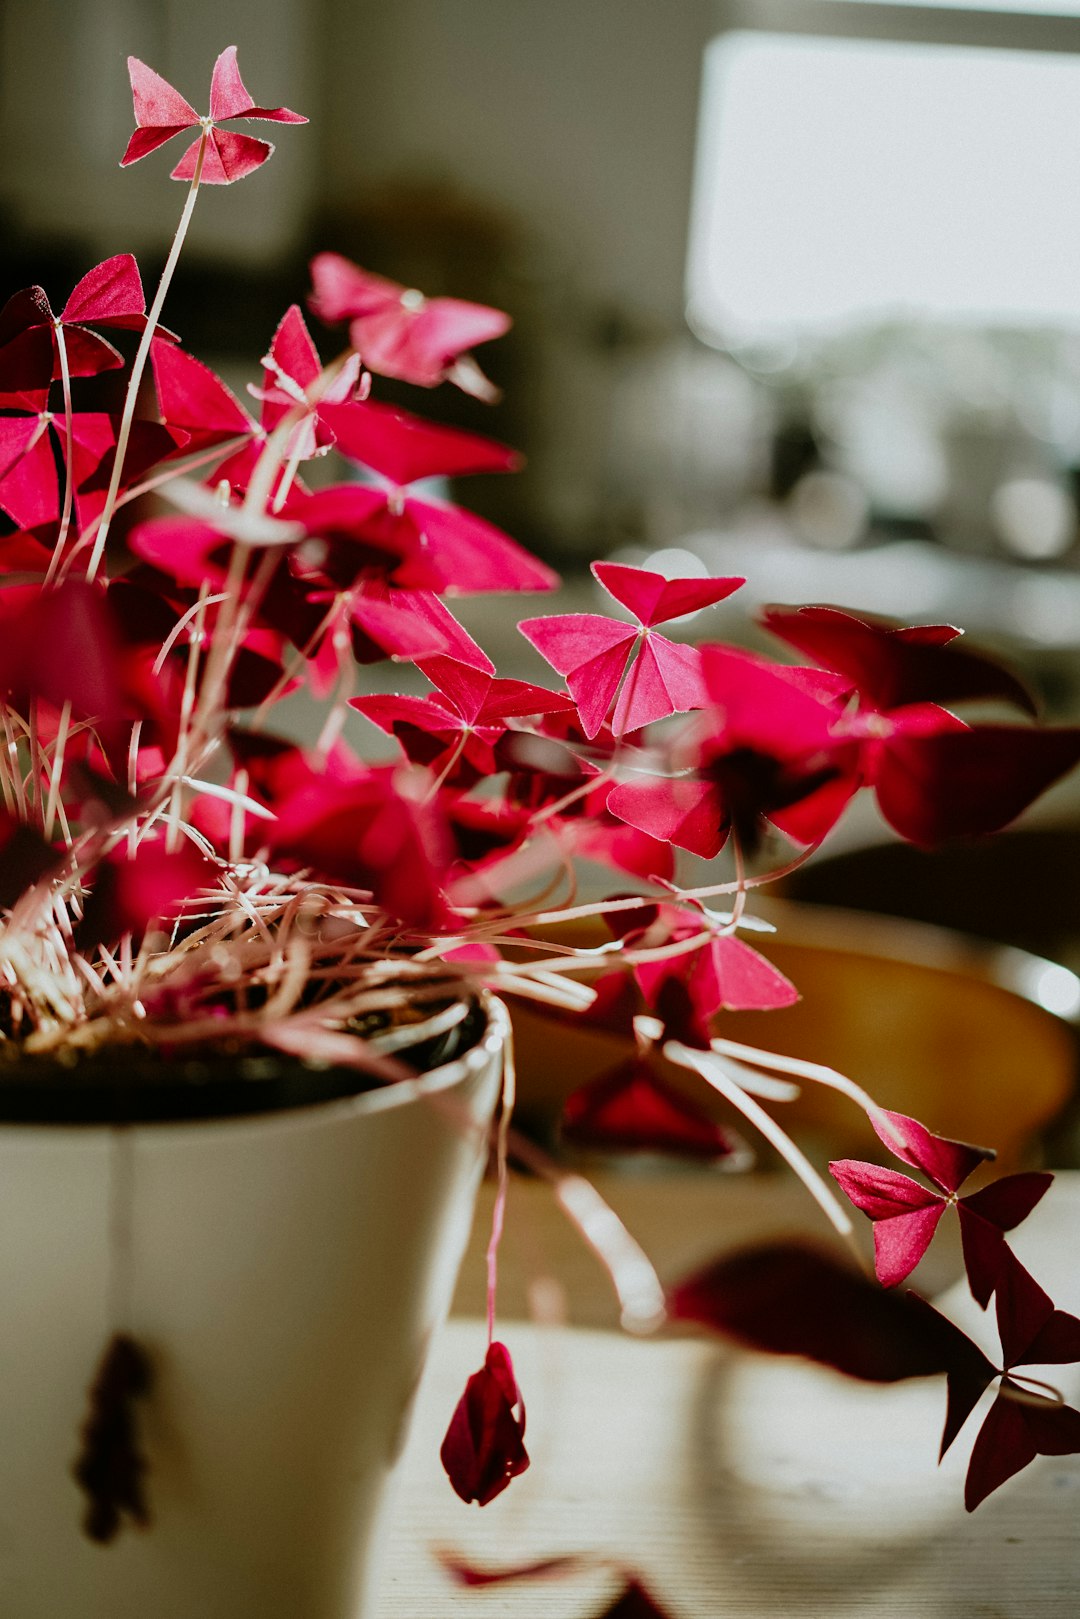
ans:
(862, 164)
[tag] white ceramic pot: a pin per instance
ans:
(286, 1273)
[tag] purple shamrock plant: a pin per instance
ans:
(175, 875)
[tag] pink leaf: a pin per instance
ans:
(473, 555)
(111, 294)
(157, 104)
(900, 1242)
(665, 678)
(725, 974)
(594, 652)
(653, 598)
(882, 1193)
(947, 1163)
(591, 652)
(450, 648)
(229, 156)
(132, 892)
(691, 814)
(906, 1215)
(145, 141)
(29, 489)
(395, 628)
(292, 351)
(403, 447)
(193, 398)
(375, 832)
(484, 1445)
(161, 112)
(229, 97)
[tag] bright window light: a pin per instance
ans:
(845, 182)
(1034, 8)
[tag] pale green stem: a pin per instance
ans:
(69, 453)
(12, 750)
(502, 1138)
(142, 354)
(57, 768)
(176, 469)
(187, 705)
(714, 1074)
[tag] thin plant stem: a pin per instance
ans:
(176, 469)
(498, 1215)
(69, 453)
(712, 1071)
(142, 354)
(1049, 1397)
(57, 768)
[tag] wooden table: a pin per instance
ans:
(735, 1484)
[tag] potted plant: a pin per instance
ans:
(253, 1036)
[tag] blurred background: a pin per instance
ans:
(796, 283)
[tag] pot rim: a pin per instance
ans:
(396, 1094)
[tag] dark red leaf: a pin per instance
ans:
(633, 1109)
(635, 1602)
(25, 858)
(790, 1299)
(967, 783)
(484, 1445)
(110, 1466)
(1032, 1331)
(984, 1218)
(1012, 1436)
(892, 666)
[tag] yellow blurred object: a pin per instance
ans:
(931, 1024)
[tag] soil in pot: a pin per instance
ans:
(135, 1084)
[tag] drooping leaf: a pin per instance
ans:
(484, 1445)
(110, 1466)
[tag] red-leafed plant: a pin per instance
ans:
(176, 876)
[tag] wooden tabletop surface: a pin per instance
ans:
(735, 1484)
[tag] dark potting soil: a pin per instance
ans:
(143, 1085)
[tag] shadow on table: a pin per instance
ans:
(819, 1494)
